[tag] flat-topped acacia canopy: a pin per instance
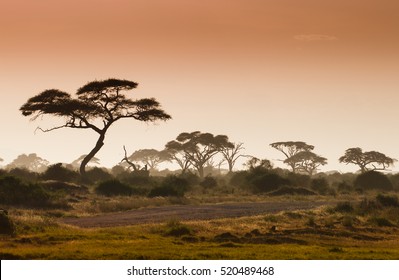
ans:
(97, 106)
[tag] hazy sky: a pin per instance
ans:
(259, 71)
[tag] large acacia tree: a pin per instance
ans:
(306, 161)
(367, 161)
(198, 148)
(291, 148)
(97, 106)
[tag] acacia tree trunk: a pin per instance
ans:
(93, 152)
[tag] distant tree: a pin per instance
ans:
(149, 157)
(174, 152)
(199, 148)
(291, 148)
(232, 153)
(76, 163)
(306, 161)
(367, 161)
(98, 105)
(256, 164)
(31, 162)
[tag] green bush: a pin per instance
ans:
(388, 200)
(6, 225)
(268, 182)
(96, 174)
(209, 182)
(373, 180)
(113, 188)
(15, 192)
(344, 207)
(299, 180)
(60, 173)
(171, 186)
(320, 185)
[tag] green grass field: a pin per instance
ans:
(318, 234)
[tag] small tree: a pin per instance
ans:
(306, 161)
(291, 148)
(232, 153)
(367, 161)
(98, 105)
(199, 148)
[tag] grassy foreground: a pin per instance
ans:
(318, 234)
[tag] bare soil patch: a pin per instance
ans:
(191, 212)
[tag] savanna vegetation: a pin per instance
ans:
(357, 217)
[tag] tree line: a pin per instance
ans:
(99, 104)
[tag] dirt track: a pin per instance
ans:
(190, 212)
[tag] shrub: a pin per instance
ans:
(209, 182)
(239, 179)
(344, 187)
(60, 173)
(139, 178)
(268, 182)
(97, 174)
(171, 186)
(176, 228)
(6, 225)
(299, 180)
(373, 180)
(344, 207)
(14, 192)
(113, 188)
(320, 185)
(381, 222)
(23, 174)
(387, 200)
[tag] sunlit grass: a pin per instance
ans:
(41, 237)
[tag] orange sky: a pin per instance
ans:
(324, 72)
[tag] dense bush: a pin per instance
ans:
(267, 182)
(320, 185)
(344, 187)
(60, 173)
(113, 188)
(15, 192)
(23, 174)
(373, 180)
(239, 179)
(6, 225)
(171, 186)
(387, 200)
(209, 182)
(97, 174)
(139, 178)
(299, 180)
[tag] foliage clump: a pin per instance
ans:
(373, 180)
(113, 188)
(15, 192)
(171, 186)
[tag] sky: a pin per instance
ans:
(258, 71)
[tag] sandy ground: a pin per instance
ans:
(191, 212)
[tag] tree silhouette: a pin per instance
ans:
(291, 148)
(174, 151)
(367, 161)
(199, 147)
(149, 157)
(98, 105)
(31, 162)
(78, 161)
(232, 153)
(306, 161)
